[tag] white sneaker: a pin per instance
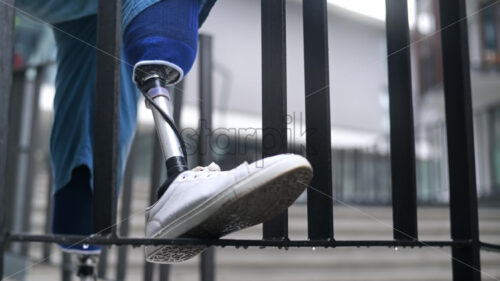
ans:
(207, 203)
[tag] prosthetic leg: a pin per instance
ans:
(152, 78)
(86, 267)
(161, 42)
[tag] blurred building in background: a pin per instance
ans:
(359, 99)
(360, 133)
(484, 38)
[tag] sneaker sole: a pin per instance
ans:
(246, 204)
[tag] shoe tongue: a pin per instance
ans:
(212, 167)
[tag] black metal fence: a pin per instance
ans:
(464, 242)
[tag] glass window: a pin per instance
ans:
(490, 35)
(490, 42)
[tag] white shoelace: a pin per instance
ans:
(210, 168)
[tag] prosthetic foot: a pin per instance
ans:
(86, 267)
(206, 202)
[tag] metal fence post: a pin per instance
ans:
(102, 263)
(106, 116)
(177, 92)
(66, 267)
(12, 154)
(318, 137)
(28, 147)
(458, 106)
(23, 110)
(357, 176)
(274, 109)
(404, 187)
(121, 266)
(156, 168)
(47, 248)
(207, 263)
(164, 272)
(6, 47)
(178, 101)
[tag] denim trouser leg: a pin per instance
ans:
(57, 11)
(72, 132)
(167, 31)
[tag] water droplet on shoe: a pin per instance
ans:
(85, 246)
(313, 248)
(396, 248)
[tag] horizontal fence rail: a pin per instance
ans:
(97, 240)
(490, 247)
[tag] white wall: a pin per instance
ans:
(357, 63)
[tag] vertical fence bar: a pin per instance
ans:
(18, 151)
(458, 106)
(6, 47)
(14, 127)
(494, 174)
(157, 165)
(66, 267)
(156, 180)
(207, 262)
(102, 263)
(342, 170)
(205, 100)
(121, 266)
(274, 110)
(207, 265)
(149, 269)
(178, 95)
(47, 247)
(404, 187)
(28, 148)
(106, 116)
(318, 138)
(356, 162)
(164, 272)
